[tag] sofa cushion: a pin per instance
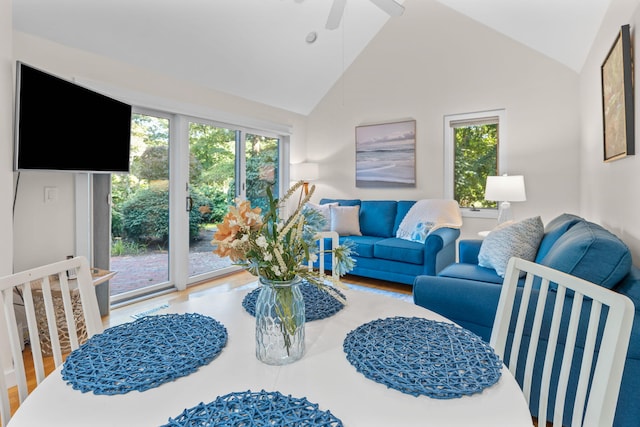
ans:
(553, 230)
(345, 220)
(403, 207)
(590, 252)
(363, 245)
(514, 239)
(342, 202)
(395, 249)
(377, 217)
(471, 272)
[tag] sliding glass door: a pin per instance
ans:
(140, 212)
(159, 238)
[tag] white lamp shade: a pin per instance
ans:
(305, 172)
(505, 188)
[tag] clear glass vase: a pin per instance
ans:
(279, 322)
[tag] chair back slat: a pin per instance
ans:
(335, 241)
(56, 308)
(579, 369)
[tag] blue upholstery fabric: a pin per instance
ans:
(395, 249)
(395, 260)
(552, 232)
(590, 252)
(363, 244)
(403, 208)
(342, 202)
(464, 293)
(468, 251)
(466, 271)
(377, 217)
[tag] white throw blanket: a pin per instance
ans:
(437, 213)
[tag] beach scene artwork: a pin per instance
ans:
(386, 155)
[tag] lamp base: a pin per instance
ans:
(504, 212)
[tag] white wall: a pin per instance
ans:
(610, 194)
(432, 62)
(6, 138)
(44, 232)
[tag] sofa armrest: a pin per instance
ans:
(440, 249)
(468, 303)
(468, 251)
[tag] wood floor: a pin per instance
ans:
(123, 314)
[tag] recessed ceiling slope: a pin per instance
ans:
(257, 49)
(561, 29)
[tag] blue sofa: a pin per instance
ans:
(468, 294)
(380, 255)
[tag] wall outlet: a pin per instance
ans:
(50, 194)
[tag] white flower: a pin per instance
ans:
(262, 242)
(267, 256)
(276, 270)
(313, 257)
(244, 238)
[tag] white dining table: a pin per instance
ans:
(323, 376)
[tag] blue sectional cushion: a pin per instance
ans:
(377, 217)
(471, 272)
(552, 232)
(342, 202)
(363, 244)
(395, 249)
(592, 253)
(403, 208)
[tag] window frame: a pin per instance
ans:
(449, 153)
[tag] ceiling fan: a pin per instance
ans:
(391, 7)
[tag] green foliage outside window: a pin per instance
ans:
(476, 157)
(140, 200)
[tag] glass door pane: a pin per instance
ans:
(262, 168)
(212, 166)
(140, 212)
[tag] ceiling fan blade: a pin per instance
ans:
(390, 6)
(335, 14)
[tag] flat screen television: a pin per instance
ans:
(61, 126)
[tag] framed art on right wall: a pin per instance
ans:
(617, 98)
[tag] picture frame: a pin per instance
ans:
(617, 99)
(386, 155)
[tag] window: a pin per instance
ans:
(473, 151)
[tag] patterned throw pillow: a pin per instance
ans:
(512, 239)
(324, 211)
(420, 232)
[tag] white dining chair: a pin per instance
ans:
(593, 315)
(335, 241)
(58, 298)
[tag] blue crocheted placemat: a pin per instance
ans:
(318, 304)
(256, 409)
(145, 353)
(423, 357)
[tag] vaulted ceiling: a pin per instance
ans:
(258, 49)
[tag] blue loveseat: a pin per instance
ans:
(380, 255)
(468, 294)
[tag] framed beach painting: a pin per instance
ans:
(617, 99)
(386, 155)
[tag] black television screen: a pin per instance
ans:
(61, 126)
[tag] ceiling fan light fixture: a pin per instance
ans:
(311, 37)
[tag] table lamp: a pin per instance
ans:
(305, 172)
(504, 190)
